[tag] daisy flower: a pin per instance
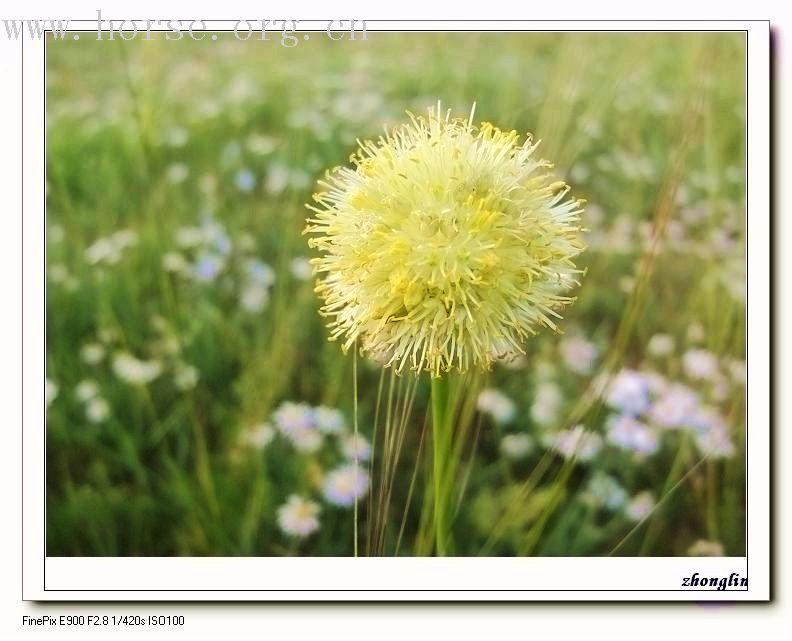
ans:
(630, 434)
(293, 417)
(300, 268)
(345, 484)
(576, 442)
(604, 491)
(578, 353)
(86, 390)
(258, 436)
(328, 419)
(640, 506)
(628, 392)
(185, 376)
(516, 446)
(133, 370)
(495, 403)
(700, 364)
(296, 421)
(92, 353)
(355, 447)
(660, 345)
(298, 517)
(547, 403)
(673, 409)
(97, 410)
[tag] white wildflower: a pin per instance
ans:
(86, 390)
(133, 370)
(329, 419)
(628, 392)
(495, 403)
(92, 353)
(355, 447)
(259, 436)
(576, 442)
(298, 517)
(629, 434)
(300, 268)
(547, 403)
(97, 410)
(516, 446)
(660, 345)
(578, 354)
(185, 376)
(700, 364)
(345, 484)
(640, 506)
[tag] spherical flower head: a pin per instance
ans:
(445, 246)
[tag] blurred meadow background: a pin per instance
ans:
(194, 403)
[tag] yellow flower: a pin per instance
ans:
(445, 246)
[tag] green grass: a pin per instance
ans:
(648, 128)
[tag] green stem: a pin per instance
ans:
(355, 422)
(441, 442)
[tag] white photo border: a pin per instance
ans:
(405, 578)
